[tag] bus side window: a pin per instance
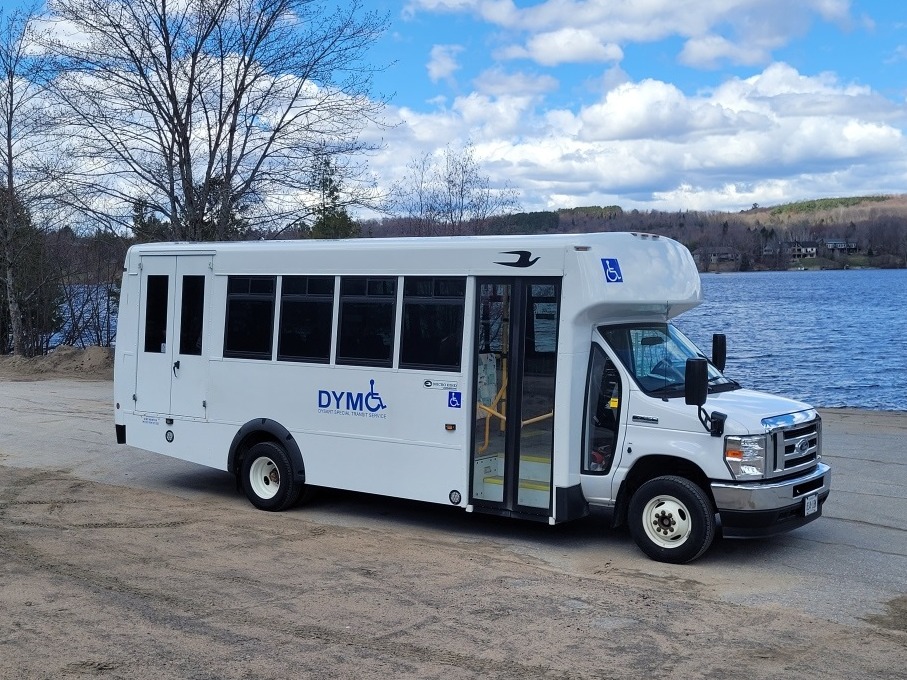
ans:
(432, 323)
(250, 317)
(306, 312)
(366, 327)
(156, 299)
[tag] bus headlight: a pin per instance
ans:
(745, 457)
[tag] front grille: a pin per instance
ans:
(795, 449)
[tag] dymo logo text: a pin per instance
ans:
(356, 404)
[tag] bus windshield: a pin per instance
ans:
(655, 355)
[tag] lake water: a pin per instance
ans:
(830, 338)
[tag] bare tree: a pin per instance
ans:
(414, 199)
(181, 105)
(25, 151)
(450, 194)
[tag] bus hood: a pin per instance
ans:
(748, 411)
(754, 412)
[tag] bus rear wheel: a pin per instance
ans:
(267, 478)
(671, 519)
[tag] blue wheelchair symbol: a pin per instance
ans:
(612, 271)
(454, 399)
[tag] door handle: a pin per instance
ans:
(176, 366)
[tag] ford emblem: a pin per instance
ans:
(802, 447)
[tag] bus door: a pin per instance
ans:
(603, 430)
(515, 358)
(171, 372)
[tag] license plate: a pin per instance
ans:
(811, 504)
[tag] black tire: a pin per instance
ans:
(672, 519)
(267, 478)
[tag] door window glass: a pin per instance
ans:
(492, 390)
(156, 299)
(602, 414)
(539, 325)
(192, 314)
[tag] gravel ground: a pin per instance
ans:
(122, 564)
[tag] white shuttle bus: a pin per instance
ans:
(528, 376)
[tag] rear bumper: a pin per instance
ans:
(765, 508)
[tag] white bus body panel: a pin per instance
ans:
(418, 446)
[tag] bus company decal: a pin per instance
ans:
(440, 385)
(354, 404)
(524, 259)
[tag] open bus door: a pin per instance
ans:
(515, 359)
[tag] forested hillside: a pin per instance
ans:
(73, 280)
(830, 233)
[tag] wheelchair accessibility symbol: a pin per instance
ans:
(373, 401)
(612, 271)
(454, 399)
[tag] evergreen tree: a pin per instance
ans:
(331, 217)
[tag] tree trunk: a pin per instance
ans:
(15, 314)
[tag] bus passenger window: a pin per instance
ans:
(367, 314)
(156, 300)
(432, 323)
(306, 312)
(250, 317)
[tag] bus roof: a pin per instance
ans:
(621, 272)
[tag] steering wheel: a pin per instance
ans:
(667, 370)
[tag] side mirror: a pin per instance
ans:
(696, 391)
(719, 350)
(696, 379)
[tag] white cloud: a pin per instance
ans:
(567, 45)
(650, 110)
(713, 32)
(774, 137)
(443, 62)
(711, 50)
(496, 82)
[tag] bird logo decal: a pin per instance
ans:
(524, 259)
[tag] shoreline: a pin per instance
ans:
(96, 364)
(16, 372)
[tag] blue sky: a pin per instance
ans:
(649, 104)
(653, 104)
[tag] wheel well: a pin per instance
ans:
(250, 440)
(263, 430)
(650, 467)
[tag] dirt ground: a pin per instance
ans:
(114, 580)
(91, 363)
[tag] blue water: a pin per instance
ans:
(830, 338)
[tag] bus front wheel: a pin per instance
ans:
(267, 477)
(671, 519)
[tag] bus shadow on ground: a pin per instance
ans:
(370, 511)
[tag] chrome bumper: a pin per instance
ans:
(762, 496)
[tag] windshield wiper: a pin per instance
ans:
(666, 390)
(723, 387)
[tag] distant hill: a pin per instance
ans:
(865, 231)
